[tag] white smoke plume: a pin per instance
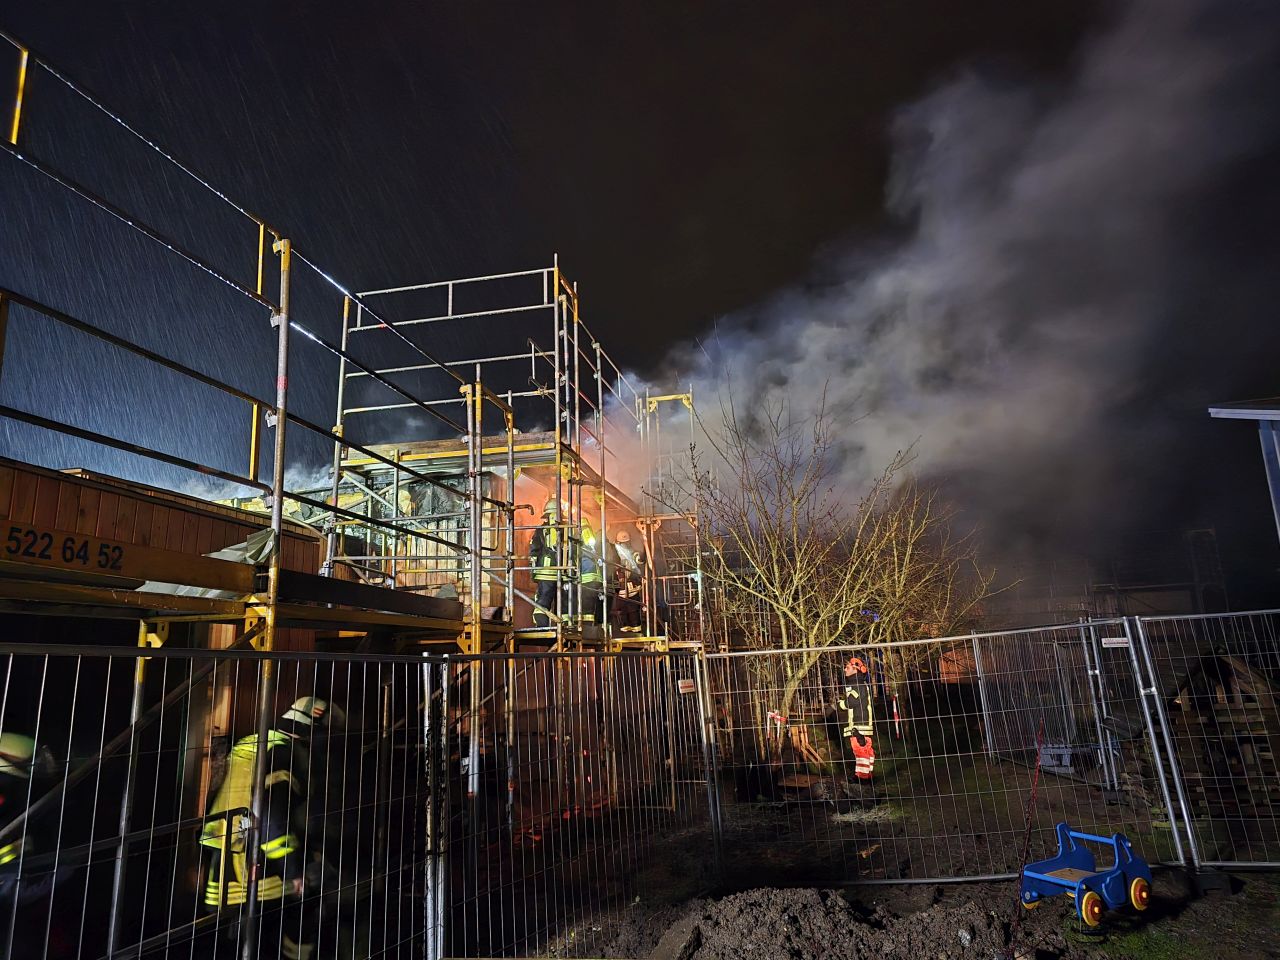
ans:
(1039, 252)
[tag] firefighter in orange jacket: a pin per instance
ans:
(859, 716)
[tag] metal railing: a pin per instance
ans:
(294, 274)
(111, 831)
(1217, 683)
(582, 788)
(1162, 728)
(437, 806)
(510, 804)
(931, 782)
(565, 383)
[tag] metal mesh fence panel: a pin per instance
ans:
(1217, 680)
(914, 761)
(516, 804)
(582, 791)
(127, 828)
(412, 807)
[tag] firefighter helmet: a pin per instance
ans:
(855, 665)
(555, 509)
(622, 537)
(16, 754)
(311, 711)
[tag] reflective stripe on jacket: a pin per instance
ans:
(591, 563)
(543, 553)
(228, 875)
(10, 852)
(859, 725)
(856, 704)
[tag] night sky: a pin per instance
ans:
(688, 163)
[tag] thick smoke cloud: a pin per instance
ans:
(1007, 334)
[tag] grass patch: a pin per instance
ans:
(880, 813)
(1150, 945)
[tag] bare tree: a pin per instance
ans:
(799, 563)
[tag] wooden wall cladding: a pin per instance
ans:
(113, 509)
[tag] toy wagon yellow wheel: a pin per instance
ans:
(1140, 894)
(1091, 909)
(1030, 904)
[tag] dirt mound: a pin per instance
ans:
(937, 922)
(808, 924)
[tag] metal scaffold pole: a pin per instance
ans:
(603, 549)
(395, 512)
(475, 487)
(15, 123)
(580, 614)
(331, 550)
(436, 707)
(703, 620)
(267, 675)
(710, 758)
(510, 570)
(561, 525)
(145, 631)
(475, 540)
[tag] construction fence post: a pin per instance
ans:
(710, 761)
(1098, 696)
(267, 674)
(1149, 685)
(982, 697)
(436, 756)
(146, 631)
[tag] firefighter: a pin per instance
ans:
(545, 556)
(22, 766)
(590, 573)
(17, 752)
(629, 608)
(285, 864)
(859, 717)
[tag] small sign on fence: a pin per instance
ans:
(685, 685)
(1115, 641)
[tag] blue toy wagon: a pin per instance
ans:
(1075, 872)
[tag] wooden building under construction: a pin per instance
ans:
(153, 632)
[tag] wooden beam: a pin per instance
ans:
(38, 546)
(339, 618)
(312, 588)
(70, 595)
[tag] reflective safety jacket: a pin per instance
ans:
(544, 555)
(11, 851)
(859, 717)
(856, 704)
(591, 565)
(286, 786)
(629, 572)
(27, 843)
(628, 561)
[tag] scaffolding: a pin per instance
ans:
(674, 601)
(437, 521)
(566, 416)
(417, 541)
